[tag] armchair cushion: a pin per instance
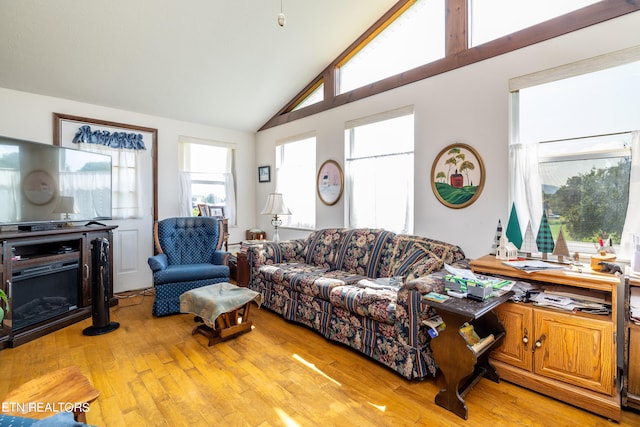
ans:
(189, 272)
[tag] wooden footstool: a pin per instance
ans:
(222, 308)
(64, 390)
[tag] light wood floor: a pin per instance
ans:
(153, 372)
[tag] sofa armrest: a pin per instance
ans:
(266, 253)
(158, 262)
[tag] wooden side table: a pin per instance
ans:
(64, 390)
(242, 269)
(460, 366)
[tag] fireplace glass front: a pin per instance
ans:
(43, 292)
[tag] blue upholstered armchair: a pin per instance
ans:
(188, 257)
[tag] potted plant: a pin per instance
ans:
(4, 305)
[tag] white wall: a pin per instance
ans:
(468, 105)
(29, 116)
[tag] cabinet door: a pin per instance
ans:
(575, 349)
(634, 361)
(518, 324)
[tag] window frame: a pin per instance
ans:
(350, 158)
(280, 153)
(457, 52)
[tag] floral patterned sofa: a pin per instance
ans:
(328, 283)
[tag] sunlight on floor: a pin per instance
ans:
(313, 367)
(381, 408)
(286, 419)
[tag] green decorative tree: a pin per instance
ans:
(544, 240)
(514, 234)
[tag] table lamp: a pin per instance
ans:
(66, 205)
(275, 206)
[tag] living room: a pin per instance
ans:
(468, 105)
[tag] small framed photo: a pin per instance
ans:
(217, 211)
(264, 173)
(204, 209)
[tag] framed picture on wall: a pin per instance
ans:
(457, 176)
(330, 182)
(264, 173)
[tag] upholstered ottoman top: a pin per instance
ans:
(208, 302)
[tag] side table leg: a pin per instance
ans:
(456, 362)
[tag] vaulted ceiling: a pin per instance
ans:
(222, 63)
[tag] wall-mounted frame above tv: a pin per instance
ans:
(45, 183)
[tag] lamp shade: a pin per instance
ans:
(66, 205)
(275, 205)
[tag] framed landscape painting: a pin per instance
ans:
(457, 176)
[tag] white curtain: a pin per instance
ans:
(184, 194)
(525, 185)
(632, 221)
(10, 192)
(126, 200)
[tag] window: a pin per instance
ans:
(316, 95)
(415, 38)
(295, 179)
(575, 141)
(493, 19)
(379, 171)
(206, 172)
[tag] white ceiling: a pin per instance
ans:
(223, 63)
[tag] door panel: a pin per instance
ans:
(517, 321)
(575, 350)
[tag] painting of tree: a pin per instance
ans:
(457, 175)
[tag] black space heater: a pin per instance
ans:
(100, 290)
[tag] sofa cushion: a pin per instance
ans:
(189, 272)
(361, 251)
(322, 246)
(282, 273)
(377, 304)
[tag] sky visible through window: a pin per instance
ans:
(492, 19)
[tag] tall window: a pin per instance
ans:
(295, 179)
(206, 177)
(379, 171)
(493, 19)
(574, 145)
(415, 38)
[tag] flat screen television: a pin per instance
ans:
(42, 183)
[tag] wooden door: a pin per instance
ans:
(518, 324)
(575, 349)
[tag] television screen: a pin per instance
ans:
(46, 183)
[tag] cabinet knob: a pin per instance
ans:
(525, 338)
(539, 341)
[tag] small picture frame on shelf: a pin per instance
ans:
(264, 173)
(217, 211)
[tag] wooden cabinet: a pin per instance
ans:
(49, 281)
(568, 356)
(560, 346)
